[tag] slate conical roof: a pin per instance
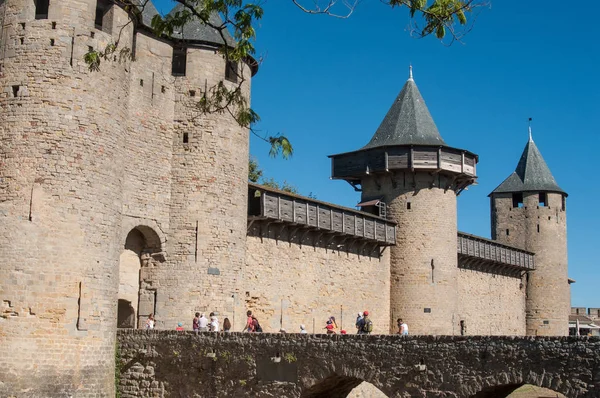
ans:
(148, 11)
(195, 30)
(532, 174)
(408, 122)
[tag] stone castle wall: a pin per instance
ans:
(490, 304)
(63, 133)
(287, 284)
(540, 229)
(97, 186)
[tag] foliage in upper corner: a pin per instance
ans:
(240, 17)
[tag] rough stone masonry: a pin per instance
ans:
(185, 364)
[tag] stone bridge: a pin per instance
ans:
(185, 364)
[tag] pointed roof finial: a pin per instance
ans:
(530, 137)
(410, 72)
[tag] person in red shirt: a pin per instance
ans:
(249, 324)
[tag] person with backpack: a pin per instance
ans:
(255, 325)
(358, 324)
(366, 324)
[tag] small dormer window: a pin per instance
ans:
(517, 199)
(374, 206)
(543, 199)
(179, 61)
(231, 71)
(41, 9)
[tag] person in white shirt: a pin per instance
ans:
(214, 323)
(402, 327)
(203, 324)
(303, 329)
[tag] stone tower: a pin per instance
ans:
(409, 174)
(117, 199)
(63, 134)
(528, 210)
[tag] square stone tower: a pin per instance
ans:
(529, 211)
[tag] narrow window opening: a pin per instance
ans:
(22, 40)
(186, 138)
(564, 203)
(41, 9)
(543, 199)
(52, 42)
(463, 328)
(15, 90)
(432, 271)
(179, 61)
(407, 205)
(163, 89)
(53, 25)
(92, 34)
(192, 93)
(549, 218)
(507, 232)
(142, 82)
(538, 228)
(90, 49)
(517, 200)
(231, 71)
(22, 25)
(102, 8)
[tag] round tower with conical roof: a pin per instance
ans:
(408, 172)
(528, 210)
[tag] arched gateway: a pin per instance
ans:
(164, 363)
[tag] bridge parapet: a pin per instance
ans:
(169, 363)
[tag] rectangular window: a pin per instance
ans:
(517, 199)
(41, 9)
(179, 61)
(543, 199)
(231, 71)
(564, 203)
(102, 8)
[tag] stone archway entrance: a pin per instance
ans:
(338, 386)
(142, 250)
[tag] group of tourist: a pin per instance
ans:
(200, 323)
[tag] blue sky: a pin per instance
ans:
(327, 83)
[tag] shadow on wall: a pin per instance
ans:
(336, 386)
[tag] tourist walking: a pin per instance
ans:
(329, 327)
(214, 322)
(366, 324)
(179, 327)
(358, 323)
(303, 329)
(249, 326)
(150, 322)
(195, 325)
(202, 324)
(402, 327)
(256, 328)
(334, 323)
(226, 325)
